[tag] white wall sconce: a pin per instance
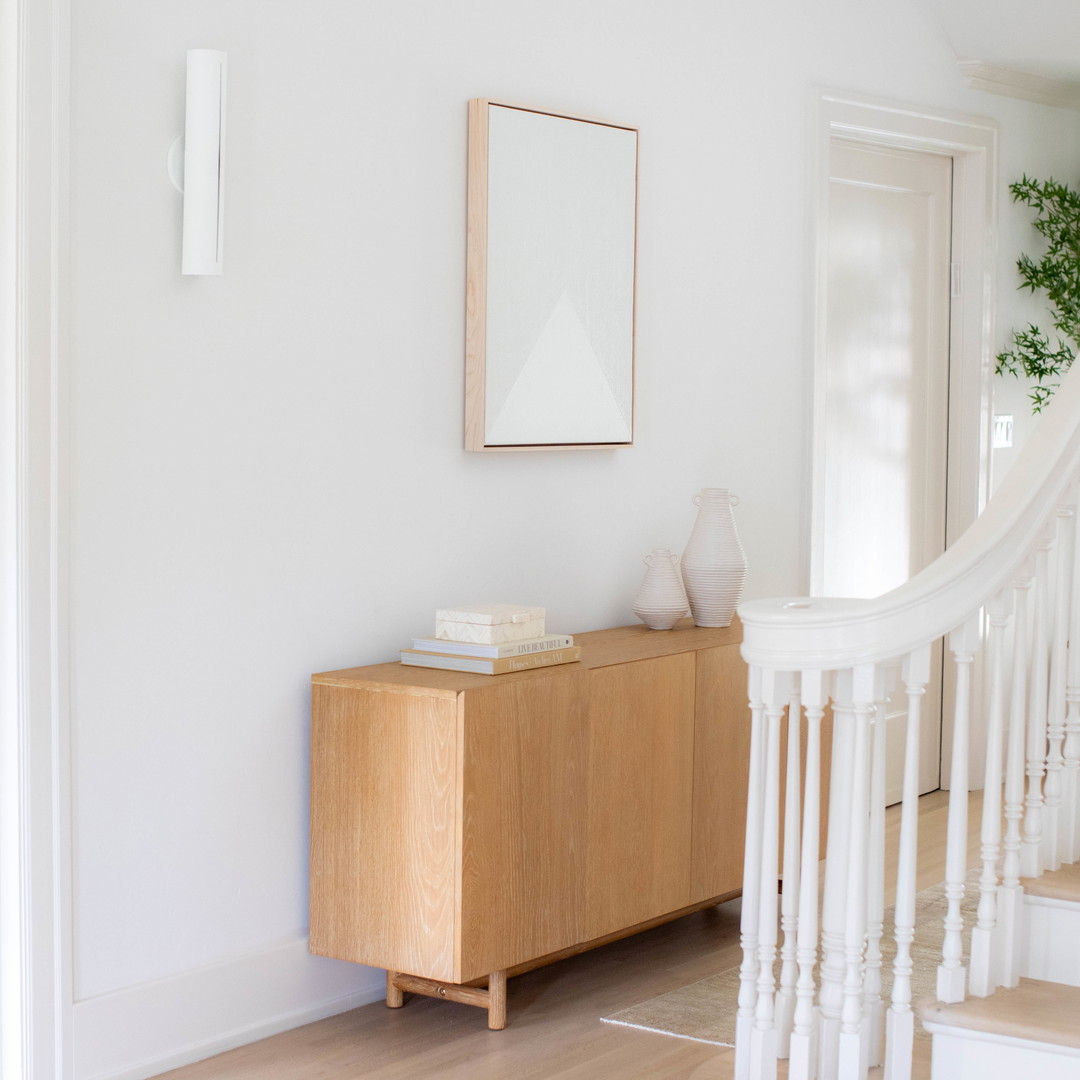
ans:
(203, 162)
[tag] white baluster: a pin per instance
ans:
(852, 1054)
(873, 1005)
(983, 969)
(755, 794)
(901, 1022)
(951, 973)
(1039, 818)
(1069, 833)
(1049, 711)
(763, 1046)
(831, 995)
(802, 1057)
(1057, 707)
(1009, 893)
(789, 907)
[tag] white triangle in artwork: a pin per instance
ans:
(561, 394)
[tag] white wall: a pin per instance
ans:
(1040, 151)
(265, 469)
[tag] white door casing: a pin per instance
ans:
(970, 144)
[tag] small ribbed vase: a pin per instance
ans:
(660, 602)
(713, 564)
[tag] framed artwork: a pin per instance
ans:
(552, 220)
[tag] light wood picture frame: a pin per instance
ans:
(551, 267)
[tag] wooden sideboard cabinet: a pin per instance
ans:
(465, 827)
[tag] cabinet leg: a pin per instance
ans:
(497, 1000)
(493, 998)
(395, 996)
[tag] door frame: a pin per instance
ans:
(35, 790)
(972, 143)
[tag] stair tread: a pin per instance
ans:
(1063, 884)
(1036, 1010)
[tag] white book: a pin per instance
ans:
(486, 665)
(494, 652)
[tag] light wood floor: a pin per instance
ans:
(554, 1029)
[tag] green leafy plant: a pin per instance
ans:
(1057, 273)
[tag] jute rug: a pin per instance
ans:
(705, 1011)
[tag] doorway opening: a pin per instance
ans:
(901, 409)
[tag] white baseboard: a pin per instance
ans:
(143, 1030)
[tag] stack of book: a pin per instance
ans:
(491, 639)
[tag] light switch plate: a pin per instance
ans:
(1003, 431)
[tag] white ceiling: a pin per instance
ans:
(1039, 37)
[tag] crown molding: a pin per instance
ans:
(995, 79)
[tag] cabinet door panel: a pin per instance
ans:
(721, 763)
(383, 768)
(523, 821)
(641, 745)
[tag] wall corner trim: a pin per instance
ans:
(142, 1030)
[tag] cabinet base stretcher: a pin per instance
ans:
(492, 998)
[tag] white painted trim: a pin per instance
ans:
(144, 1030)
(35, 992)
(996, 1038)
(1034, 900)
(1007, 82)
(968, 1059)
(1050, 939)
(972, 144)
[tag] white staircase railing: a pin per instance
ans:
(1007, 589)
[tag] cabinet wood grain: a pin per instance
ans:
(523, 822)
(641, 762)
(383, 844)
(721, 742)
(465, 826)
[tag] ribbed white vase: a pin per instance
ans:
(661, 602)
(714, 564)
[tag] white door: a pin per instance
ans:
(882, 404)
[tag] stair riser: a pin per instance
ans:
(963, 1055)
(1050, 947)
